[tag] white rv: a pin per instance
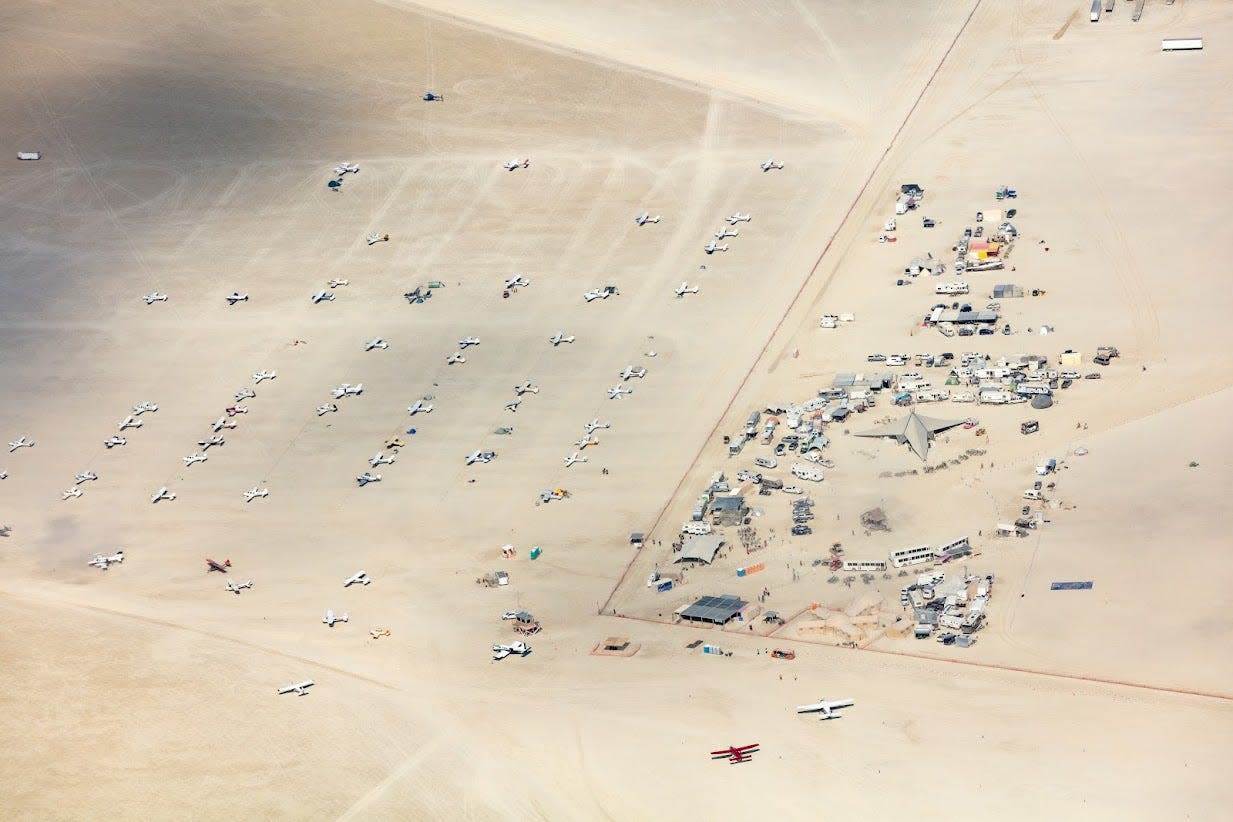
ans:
(950, 288)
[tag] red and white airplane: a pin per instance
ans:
(737, 754)
(217, 566)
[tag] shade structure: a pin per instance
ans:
(914, 429)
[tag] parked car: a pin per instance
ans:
(801, 530)
(1067, 383)
(987, 331)
(876, 358)
(928, 222)
(791, 489)
(1095, 375)
(895, 360)
(1006, 329)
(780, 449)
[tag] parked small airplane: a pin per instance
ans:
(480, 456)
(574, 457)
(433, 97)
(359, 577)
(513, 406)
(255, 492)
(111, 442)
(335, 283)
(330, 619)
(376, 342)
(194, 457)
(20, 442)
(684, 288)
(322, 296)
(455, 358)
(736, 754)
(348, 390)
(559, 337)
(244, 394)
(600, 293)
(417, 295)
(154, 297)
(299, 689)
(380, 459)
(711, 248)
(264, 375)
(463, 343)
(517, 163)
(236, 587)
(103, 561)
(772, 164)
(365, 478)
(827, 709)
(418, 407)
(70, 493)
(222, 422)
(236, 297)
(615, 392)
(322, 410)
(738, 217)
(645, 217)
(143, 407)
(206, 443)
(346, 168)
(214, 565)
(85, 476)
(595, 424)
(517, 647)
(130, 422)
(725, 233)
(394, 443)
(525, 388)
(516, 282)
(232, 410)
(162, 494)
(373, 239)
(585, 440)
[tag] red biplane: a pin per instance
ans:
(217, 566)
(736, 754)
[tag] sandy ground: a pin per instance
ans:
(189, 155)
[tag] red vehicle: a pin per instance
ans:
(217, 566)
(738, 754)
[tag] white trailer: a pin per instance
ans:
(806, 472)
(29, 155)
(951, 288)
(1182, 44)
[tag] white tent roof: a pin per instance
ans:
(700, 549)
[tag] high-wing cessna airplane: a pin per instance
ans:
(827, 709)
(559, 337)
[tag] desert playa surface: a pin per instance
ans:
(186, 151)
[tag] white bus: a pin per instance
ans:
(911, 556)
(868, 566)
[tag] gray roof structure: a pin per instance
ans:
(716, 610)
(700, 549)
(914, 429)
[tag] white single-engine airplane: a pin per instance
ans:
(376, 342)
(725, 233)
(20, 442)
(111, 442)
(711, 248)
(685, 288)
(85, 476)
(738, 217)
(373, 239)
(232, 410)
(595, 424)
(102, 560)
(255, 492)
(130, 422)
(633, 371)
(236, 297)
(335, 283)
(299, 689)
(584, 441)
(419, 407)
(70, 493)
(222, 422)
(574, 457)
(322, 410)
(516, 282)
(348, 390)
(617, 391)
(455, 358)
(559, 337)
(322, 296)
(513, 406)
(154, 297)
(235, 587)
(645, 217)
(463, 343)
(264, 375)
(330, 619)
(143, 407)
(380, 459)
(525, 388)
(161, 494)
(772, 164)
(480, 456)
(244, 394)
(208, 441)
(517, 163)
(365, 478)
(827, 709)
(194, 457)
(346, 168)
(517, 647)
(358, 578)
